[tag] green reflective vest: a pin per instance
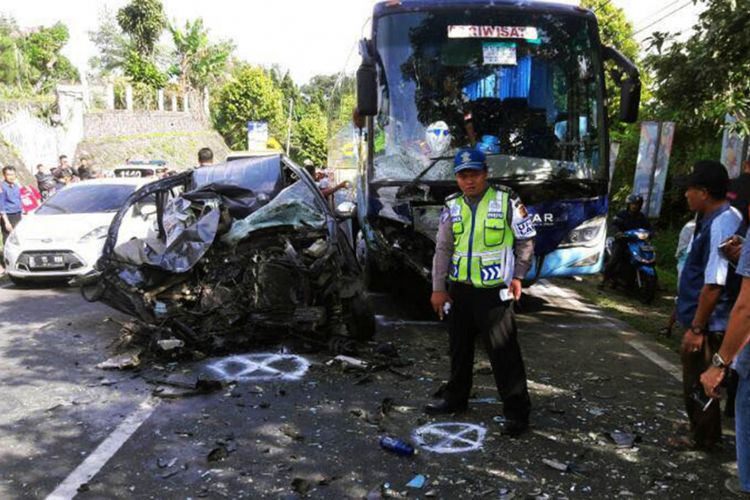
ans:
(483, 240)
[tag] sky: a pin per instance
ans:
(308, 37)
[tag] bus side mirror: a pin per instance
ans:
(629, 80)
(367, 83)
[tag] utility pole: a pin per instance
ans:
(289, 126)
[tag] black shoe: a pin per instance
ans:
(445, 407)
(514, 428)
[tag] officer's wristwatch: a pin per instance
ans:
(718, 361)
(697, 330)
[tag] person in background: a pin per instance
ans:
(84, 170)
(45, 181)
(630, 218)
(11, 208)
(64, 168)
(31, 198)
(205, 157)
(734, 348)
(706, 293)
(738, 193)
(321, 178)
(683, 248)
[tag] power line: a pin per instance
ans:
(686, 4)
(657, 12)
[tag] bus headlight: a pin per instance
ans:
(588, 234)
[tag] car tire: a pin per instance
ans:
(20, 282)
(360, 322)
(372, 276)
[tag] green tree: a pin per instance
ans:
(249, 96)
(143, 21)
(143, 71)
(112, 45)
(198, 61)
(310, 136)
(45, 65)
(10, 68)
(701, 79)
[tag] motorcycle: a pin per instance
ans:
(637, 268)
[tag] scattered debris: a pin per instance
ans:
(291, 433)
(623, 439)
(555, 464)
(301, 485)
(348, 362)
(397, 446)
(417, 482)
(124, 361)
(217, 454)
(170, 344)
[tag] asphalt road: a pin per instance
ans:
(298, 426)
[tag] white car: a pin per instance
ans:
(64, 237)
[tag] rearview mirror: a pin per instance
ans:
(367, 83)
(629, 80)
(346, 210)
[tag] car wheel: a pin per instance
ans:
(360, 322)
(17, 281)
(372, 276)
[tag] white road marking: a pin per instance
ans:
(639, 346)
(259, 367)
(450, 437)
(104, 452)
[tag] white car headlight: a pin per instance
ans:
(588, 234)
(13, 239)
(98, 233)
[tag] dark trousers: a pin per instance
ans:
(705, 426)
(14, 220)
(619, 254)
(479, 312)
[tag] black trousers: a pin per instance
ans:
(619, 254)
(14, 220)
(705, 426)
(480, 312)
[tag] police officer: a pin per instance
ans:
(484, 248)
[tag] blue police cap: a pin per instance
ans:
(469, 158)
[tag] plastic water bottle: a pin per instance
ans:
(397, 446)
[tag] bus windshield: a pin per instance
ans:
(524, 87)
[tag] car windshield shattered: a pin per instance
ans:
(526, 89)
(245, 251)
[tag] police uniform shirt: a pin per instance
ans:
(523, 245)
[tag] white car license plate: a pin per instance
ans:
(46, 261)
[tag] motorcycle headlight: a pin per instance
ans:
(98, 233)
(588, 234)
(13, 239)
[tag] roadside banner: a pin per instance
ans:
(653, 162)
(733, 149)
(257, 136)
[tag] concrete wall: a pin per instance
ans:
(128, 123)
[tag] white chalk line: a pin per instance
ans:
(639, 346)
(104, 452)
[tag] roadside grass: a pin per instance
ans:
(624, 304)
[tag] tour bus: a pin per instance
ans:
(523, 81)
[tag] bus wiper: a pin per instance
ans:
(408, 188)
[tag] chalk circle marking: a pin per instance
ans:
(450, 437)
(260, 367)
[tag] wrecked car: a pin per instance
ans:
(243, 251)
